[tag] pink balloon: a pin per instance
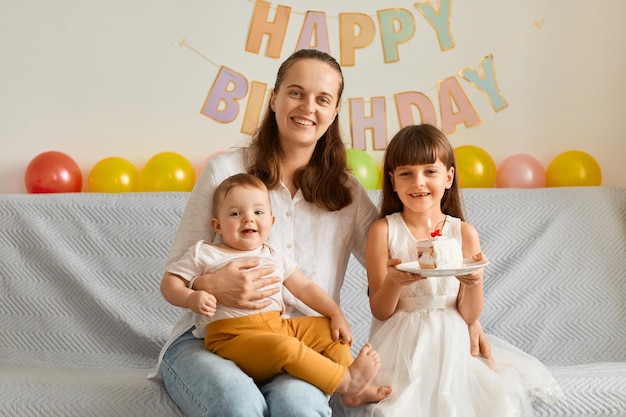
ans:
(204, 162)
(521, 171)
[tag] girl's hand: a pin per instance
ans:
(476, 276)
(340, 329)
(203, 303)
(471, 279)
(479, 345)
(400, 278)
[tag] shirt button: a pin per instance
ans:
(289, 245)
(288, 214)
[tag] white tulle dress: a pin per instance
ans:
(425, 352)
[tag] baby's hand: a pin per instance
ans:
(201, 302)
(340, 329)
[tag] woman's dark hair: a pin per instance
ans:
(419, 145)
(323, 181)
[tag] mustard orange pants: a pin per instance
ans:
(264, 345)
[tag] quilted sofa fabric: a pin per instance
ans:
(83, 320)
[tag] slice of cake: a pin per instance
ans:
(439, 253)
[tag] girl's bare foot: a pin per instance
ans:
(371, 394)
(355, 384)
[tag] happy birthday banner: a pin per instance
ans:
(357, 31)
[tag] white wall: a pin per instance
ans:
(96, 79)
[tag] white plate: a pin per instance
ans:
(468, 266)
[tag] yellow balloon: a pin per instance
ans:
(474, 167)
(572, 169)
(113, 175)
(167, 171)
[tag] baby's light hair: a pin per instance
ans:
(237, 180)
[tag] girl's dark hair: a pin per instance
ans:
(323, 180)
(419, 145)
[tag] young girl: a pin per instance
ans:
(420, 324)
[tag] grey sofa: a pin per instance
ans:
(82, 320)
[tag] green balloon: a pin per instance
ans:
(364, 168)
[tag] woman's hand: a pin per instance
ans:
(237, 285)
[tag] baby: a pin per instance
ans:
(261, 342)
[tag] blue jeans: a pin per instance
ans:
(203, 384)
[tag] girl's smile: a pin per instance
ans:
(421, 187)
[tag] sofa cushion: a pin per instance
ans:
(80, 278)
(556, 285)
(83, 320)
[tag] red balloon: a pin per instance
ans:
(53, 172)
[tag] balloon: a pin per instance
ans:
(53, 172)
(113, 175)
(167, 171)
(207, 159)
(475, 167)
(521, 171)
(364, 168)
(381, 177)
(573, 168)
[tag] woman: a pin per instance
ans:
(322, 216)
